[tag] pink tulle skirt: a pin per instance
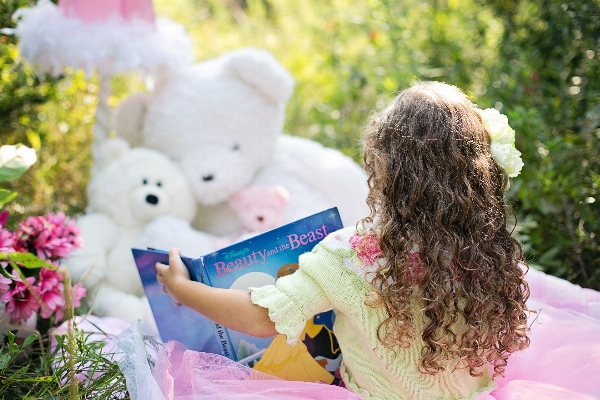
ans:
(562, 362)
(563, 359)
(189, 375)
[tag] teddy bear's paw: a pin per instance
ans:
(109, 301)
(162, 232)
(166, 232)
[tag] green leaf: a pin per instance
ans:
(38, 379)
(29, 339)
(5, 273)
(6, 196)
(13, 348)
(10, 174)
(27, 260)
(15, 160)
(59, 340)
(20, 372)
(4, 360)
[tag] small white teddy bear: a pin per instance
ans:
(129, 189)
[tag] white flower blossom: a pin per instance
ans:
(508, 157)
(502, 138)
(497, 126)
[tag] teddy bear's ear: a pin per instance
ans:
(109, 151)
(260, 69)
(129, 118)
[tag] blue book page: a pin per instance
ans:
(259, 261)
(174, 322)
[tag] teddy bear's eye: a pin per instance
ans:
(145, 181)
(235, 147)
(159, 184)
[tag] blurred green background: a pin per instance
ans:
(536, 61)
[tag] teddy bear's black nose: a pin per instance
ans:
(207, 178)
(152, 199)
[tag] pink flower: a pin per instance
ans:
(52, 302)
(4, 284)
(51, 292)
(366, 246)
(20, 302)
(3, 218)
(52, 237)
(8, 240)
(49, 280)
(77, 293)
(66, 229)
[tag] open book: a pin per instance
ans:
(254, 262)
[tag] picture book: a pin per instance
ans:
(257, 261)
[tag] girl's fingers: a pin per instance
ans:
(177, 266)
(165, 291)
(174, 255)
(161, 268)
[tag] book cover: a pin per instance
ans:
(254, 262)
(178, 323)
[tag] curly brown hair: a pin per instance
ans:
(435, 186)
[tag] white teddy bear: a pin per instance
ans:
(222, 120)
(129, 189)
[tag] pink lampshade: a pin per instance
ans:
(107, 36)
(102, 10)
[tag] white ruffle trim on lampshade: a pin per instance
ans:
(52, 41)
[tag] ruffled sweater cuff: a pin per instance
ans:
(287, 317)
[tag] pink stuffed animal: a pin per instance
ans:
(260, 208)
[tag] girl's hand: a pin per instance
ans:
(171, 276)
(232, 308)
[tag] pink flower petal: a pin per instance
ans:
(8, 240)
(52, 237)
(20, 302)
(4, 284)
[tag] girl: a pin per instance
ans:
(428, 289)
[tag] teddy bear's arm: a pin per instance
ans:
(110, 301)
(88, 264)
(129, 117)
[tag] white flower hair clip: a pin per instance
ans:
(502, 141)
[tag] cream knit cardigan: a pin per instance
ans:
(332, 276)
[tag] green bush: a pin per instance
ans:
(537, 61)
(53, 116)
(548, 80)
